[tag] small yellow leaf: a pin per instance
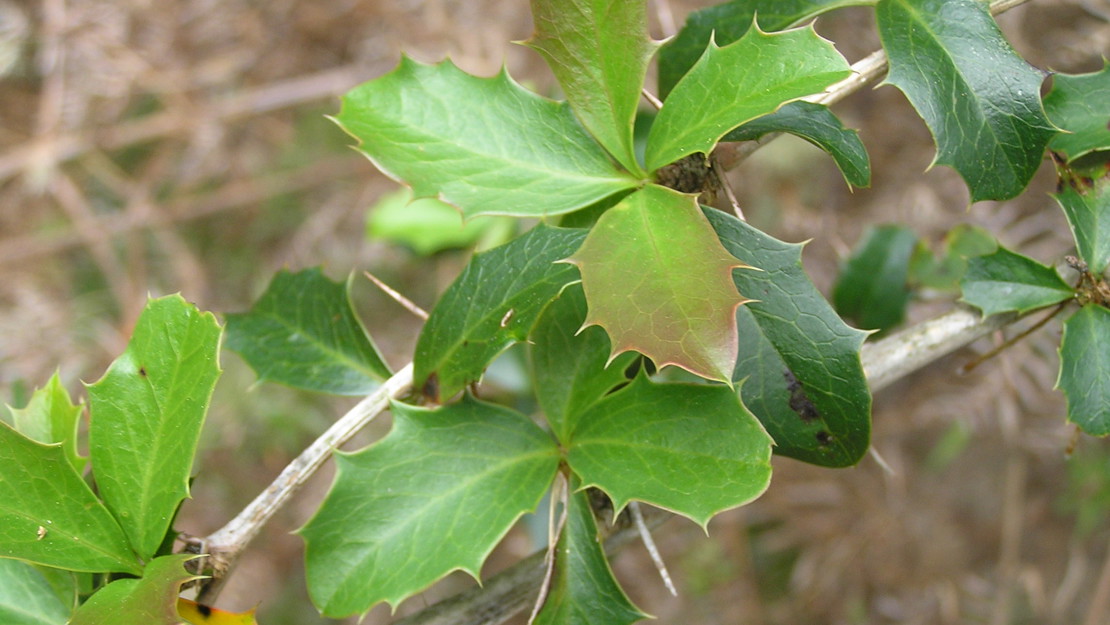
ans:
(198, 614)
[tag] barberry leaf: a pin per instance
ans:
(571, 369)
(51, 417)
(434, 496)
(731, 85)
(304, 333)
(486, 145)
(728, 22)
(872, 288)
(583, 590)
(660, 283)
(49, 516)
(146, 414)
(1085, 369)
(1008, 282)
(1080, 105)
(491, 305)
(817, 124)
(26, 597)
(1088, 211)
(599, 51)
(428, 225)
(196, 614)
(151, 600)
(801, 363)
(945, 270)
(690, 448)
(979, 98)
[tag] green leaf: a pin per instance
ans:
(945, 272)
(26, 597)
(49, 516)
(599, 51)
(979, 98)
(659, 282)
(569, 369)
(428, 225)
(303, 332)
(583, 590)
(872, 286)
(1009, 282)
(1088, 213)
(738, 83)
(434, 496)
(1085, 369)
(817, 124)
(146, 414)
(151, 600)
(485, 145)
(1080, 105)
(805, 381)
(728, 22)
(51, 417)
(491, 305)
(690, 448)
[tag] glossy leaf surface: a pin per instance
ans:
(599, 51)
(1085, 369)
(690, 448)
(52, 417)
(485, 145)
(1080, 105)
(146, 415)
(727, 22)
(491, 305)
(1009, 282)
(151, 600)
(817, 124)
(872, 287)
(805, 381)
(1088, 212)
(583, 590)
(26, 597)
(660, 283)
(979, 98)
(49, 516)
(569, 367)
(303, 332)
(433, 497)
(737, 83)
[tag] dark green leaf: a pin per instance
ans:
(428, 225)
(1009, 282)
(146, 414)
(1085, 369)
(569, 367)
(304, 333)
(690, 448)
(945, 272)
(49, 516)
(434, 496)
(1088, 213)
(805, 381)
(731, 85)
(151, 600)
(51, 417)
(599, 50)
(485, 145)
(979, 98)
(728, 22)
(1080, 105)
(872, 287)
(817, 124)
(26, 597)
(490, 306)
(583, 590)
(659, 282)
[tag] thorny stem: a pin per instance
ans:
(884, 362)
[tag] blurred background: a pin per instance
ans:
(151, 147)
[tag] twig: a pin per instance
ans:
(1010, 342)
(559, 494)
(397, 297)
(653, 551)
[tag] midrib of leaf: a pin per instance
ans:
(324, 347)
(129, 564)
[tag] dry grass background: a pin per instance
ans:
(152, 147)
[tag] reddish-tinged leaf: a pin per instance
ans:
(659, 281)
